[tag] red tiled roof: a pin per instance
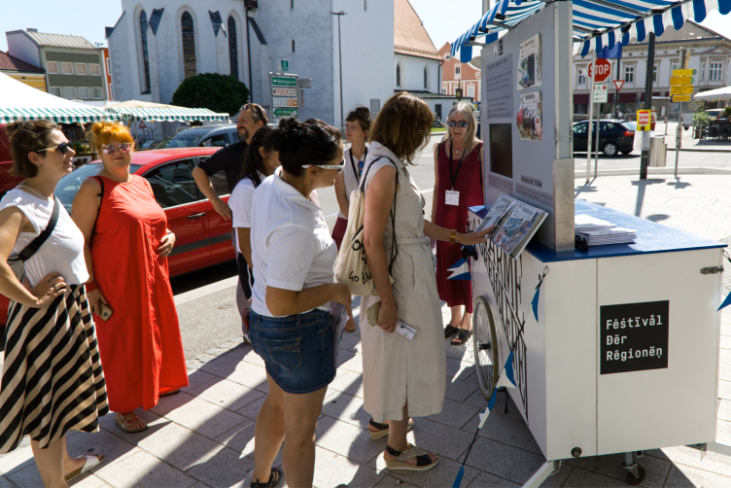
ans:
(410, 36)
(11, 63)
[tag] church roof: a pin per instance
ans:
(409, 35)
(11, 63)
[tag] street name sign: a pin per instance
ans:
(619, 84)
(684, 72)
(681, 89)
(681, 98)
(601, 91)
(284, 92)
(603, 70)
(682, 80)
(284, 102)
(643, 120)
(285, 112)
(284, 81)
(283, 65)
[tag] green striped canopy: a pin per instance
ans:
(172, 114)
(61, 115)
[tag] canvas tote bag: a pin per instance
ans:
(352, 266)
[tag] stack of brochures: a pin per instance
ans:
(515, 224)
(596, 232)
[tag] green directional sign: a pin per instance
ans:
(284, 81)
(285, 112)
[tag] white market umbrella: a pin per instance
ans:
(714, 95)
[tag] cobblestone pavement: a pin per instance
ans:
(205, 435)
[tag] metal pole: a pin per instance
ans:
(598, 127)
(248, 54)
(679, 128)
(648, 101)
(616, 90)
(591, 117)
(340, 64)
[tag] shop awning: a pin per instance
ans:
(597, 23)
(627, 97)
(19, 101)
(169, 114)
(581, 98)
(714, 95)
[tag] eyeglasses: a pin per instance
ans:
(452, 123)
(256, 108)
(62, 148)
(338, 167)
(123, 147)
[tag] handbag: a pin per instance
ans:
(17, 262)
(352, 266)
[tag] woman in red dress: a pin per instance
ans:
(458, 184)
(127, 244)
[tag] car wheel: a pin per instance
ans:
(610, 149)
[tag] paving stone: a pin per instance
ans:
(226, 469)
(708, 461)
(438, 438)
(559, 479)
(154, 423)
(344, 357)
(169, 403)
(5, 483)
(724, 389)
(16, 460)
(724, 410)
(25, 477)
(725, 342)
(460, 353)
(505, 429)
(251, 410)
(204, 358)
(441, 475)
(347, 440)
(348, 382)
(197, 378)
(205, 418)
(332, 469)
(656, 469)
(723, 431)
(242, 372)
(487, 480)
(478, 399)
(226, 394)
(391, 482)
(350, 340)
(459, 390)
(686, 477)
(179, 447)
(454, 414)
(240, 439)
(114, 448)
(502, 460)
(86, 480)
(346, 408)
(581, 478)
(354, 364)
(143, 469)
(459, 370)
(724, 372)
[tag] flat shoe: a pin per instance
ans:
(90, 463)
(125, 423)
(449, 331)
(383, 428)
(463, 336)
(274, 480)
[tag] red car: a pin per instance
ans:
(204, 237)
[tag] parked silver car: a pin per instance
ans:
(203, 136)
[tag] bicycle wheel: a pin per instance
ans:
(484, 345)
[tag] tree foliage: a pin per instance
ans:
(220, 93)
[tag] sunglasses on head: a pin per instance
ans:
(338, 167)
(452, 123)
(63, 148)
(123, 147)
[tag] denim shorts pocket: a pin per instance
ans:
(286, 353)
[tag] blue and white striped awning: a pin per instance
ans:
(597, 23)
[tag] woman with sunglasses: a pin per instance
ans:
(293, 257)
(457, 185)
(127, 243)
(52, 379)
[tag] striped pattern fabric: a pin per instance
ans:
(176, 114)
(52, 379)
(596, 23)
(59, 115)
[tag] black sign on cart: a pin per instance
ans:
(634, 336)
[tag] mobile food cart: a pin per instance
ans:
(615, 349)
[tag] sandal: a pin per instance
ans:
(463, 336)
(274, 480)
(125, 422)
(449, 331)
(91, 462)
(383, 428)
(423, 461)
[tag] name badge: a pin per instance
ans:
(452, 197)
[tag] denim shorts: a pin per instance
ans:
(297, 349)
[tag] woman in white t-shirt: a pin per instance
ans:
(293, 256)
(52, 380)
(260, 161)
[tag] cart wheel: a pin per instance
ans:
(484, 345)
(632, 481)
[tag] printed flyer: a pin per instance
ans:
(529, 63)
(529, 120)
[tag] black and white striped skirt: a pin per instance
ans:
(52, 375)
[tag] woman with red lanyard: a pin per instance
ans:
(457, 168)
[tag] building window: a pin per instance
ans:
(109, 66)
(291, 4)
(714, 72)
(67, 68)
(94, 70)
(56, 91)
(471, 90)
(365, 5)
(629, 74)
(581, 78)
(398, 75)
(84, 93)
(426, 77)
(69, 92)
(81, 69)
(97, 92)
(52, 67)
(292, 45)
(145, 53)
(457, 70)
(703, 71)
(654, 75)
(189, 63)
(444, 91)
(111, 91)
(233, 48)
(448, 57)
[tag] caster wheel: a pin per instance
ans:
(632, 481)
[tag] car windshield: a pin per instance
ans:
(185, 138)
(70, 184)
(630, 126)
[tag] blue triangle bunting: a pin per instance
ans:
(726, 302)
(507, 379)
(460, 270)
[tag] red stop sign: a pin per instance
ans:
(603, 70)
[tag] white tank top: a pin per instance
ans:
(63, 251)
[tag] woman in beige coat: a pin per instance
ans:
(402, 377)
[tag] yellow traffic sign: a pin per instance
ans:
(681, 80)
(681, 90)
(644, 119)
(684, 72)
(681, 98)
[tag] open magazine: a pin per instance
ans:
(515, 224)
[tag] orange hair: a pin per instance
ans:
(102, 132)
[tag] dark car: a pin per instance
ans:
(204, 136)
(615, 136)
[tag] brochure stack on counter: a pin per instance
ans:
(591, 231)
(515, 224)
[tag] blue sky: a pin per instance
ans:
(88, 18)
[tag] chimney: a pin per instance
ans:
(31, 29)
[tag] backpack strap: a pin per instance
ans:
(93, 229)
(394, 247)
(36, 244)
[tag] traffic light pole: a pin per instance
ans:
(591, 116)
(648, 105)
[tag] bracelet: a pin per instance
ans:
(453, 237)
(91, 286)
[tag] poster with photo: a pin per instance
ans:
(529, 119)
(529, 63)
